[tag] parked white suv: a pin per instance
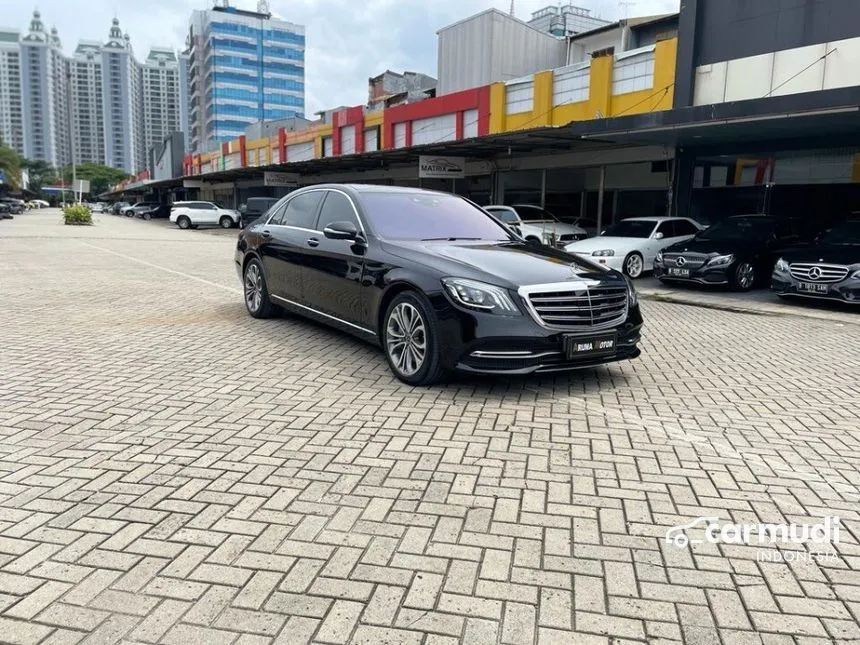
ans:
(536, 223)
(194, 214)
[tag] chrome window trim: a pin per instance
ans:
(290, 197)
(320, 313)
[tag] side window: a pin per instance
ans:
(683, 227)
(667, 228)
(277, 213)
(336, 208)
(301, 210)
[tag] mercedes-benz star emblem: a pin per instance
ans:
(680, 262)
(815, 273)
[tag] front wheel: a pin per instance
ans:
(744, 276)
(226, 221)
(256, 291)
(634, 265)
(183, 222)
(147, 216)
(410, 340)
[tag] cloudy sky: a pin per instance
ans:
(347, 41)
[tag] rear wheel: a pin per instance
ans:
(147, 216)
(410, 340)
(743, 278)
(183, 222)
(226, 221)
(257, 292)
(634, 265)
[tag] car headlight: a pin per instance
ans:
(781, 266)
(721, 260)
(603, 253)
(658, 259)
(856, 274)
(631, 292)
(479, 295)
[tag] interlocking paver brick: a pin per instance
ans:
(154, 488)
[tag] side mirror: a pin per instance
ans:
(658, 235)
(341, 231)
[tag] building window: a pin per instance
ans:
(633, 71)
(519, 96)
(571, 84)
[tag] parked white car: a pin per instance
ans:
(194, 214)
(631, 245)
(536, 223)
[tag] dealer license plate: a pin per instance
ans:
(679, 273)
(577, 346)
(811, 287)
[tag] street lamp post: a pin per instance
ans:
(72, 135)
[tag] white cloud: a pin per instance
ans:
(347, 41)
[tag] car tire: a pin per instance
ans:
(183, 222)
(256, 291)
(532, 238)
(419, 362)
(147, 216)
(634, 265)
(226, 221)
(743, 276)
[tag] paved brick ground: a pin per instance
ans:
(172, 471)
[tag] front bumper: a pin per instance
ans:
(848, 290)
(703, 275)
(476, 342)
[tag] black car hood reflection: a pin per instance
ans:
(516, 263)
(846, 254)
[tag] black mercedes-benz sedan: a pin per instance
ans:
(829, 269)
(738, 252)
(436, 281)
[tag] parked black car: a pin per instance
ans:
(739, 251)
(255, 207)
(16, 206)
(142, 209)
(4, 211)
(828, 269)
(438, 282)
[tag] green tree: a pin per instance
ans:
(101, 178)
(10, 165)
(41, 173)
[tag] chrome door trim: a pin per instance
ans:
(320, 313)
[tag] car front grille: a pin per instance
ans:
(685, 260)
(818, 272)
(580, 308)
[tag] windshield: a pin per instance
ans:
(740, 228)
(847, 233)
(429, 216)
(505, 215)
(629, 228)
(534, 213)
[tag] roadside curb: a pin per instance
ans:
(756, 310)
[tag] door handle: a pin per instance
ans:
(267, 234)
(312, 241)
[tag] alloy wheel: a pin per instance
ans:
(406, 339)
(253, 288)
(633, 265)
(745, 275)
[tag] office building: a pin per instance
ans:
(11, 117)
(85, 78)
(244, 66)
(161, 94)
(123, 111)
(44, 95)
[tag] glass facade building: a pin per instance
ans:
(243, 67)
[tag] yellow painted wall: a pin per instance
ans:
(600, 103)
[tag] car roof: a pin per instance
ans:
(374, 188)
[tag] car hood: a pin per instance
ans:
(551, 225)
(601, 242)
(716, 247)
(509, 264)
(846, 254)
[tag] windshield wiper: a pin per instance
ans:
(448, 239)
